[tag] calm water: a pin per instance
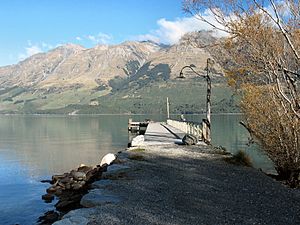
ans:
(33, 148)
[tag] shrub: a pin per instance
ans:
(240, 158)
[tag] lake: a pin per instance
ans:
(33, 148)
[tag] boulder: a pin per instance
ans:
(76, 186)
(48, 198)
(108, 159)
(51, 190)
(84, 169)
(48, 218)
(138, 141)
(189, 139)
(78, 175)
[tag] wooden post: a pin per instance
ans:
(208, 103)
(168, 109)
(129, 124)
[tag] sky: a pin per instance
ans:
(32, 26)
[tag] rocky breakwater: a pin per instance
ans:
(69, 188)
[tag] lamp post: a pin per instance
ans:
(207, 121)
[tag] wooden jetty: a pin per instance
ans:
(137, 127)
(170, 132)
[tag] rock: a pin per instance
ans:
(58, 177)
(48, 218)
(76, 186)
(108, 159)
(78, 175)
(64, 205)
(84, 169)
(74, 220)
(66, 180)
(58, 192)
(137, 141)
(51, 190)
(63, 186)
(189, 139)
(98, 197)
(91, 174)
(48, 198)
(46, 181)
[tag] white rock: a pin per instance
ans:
(108, 159)
(138, 140)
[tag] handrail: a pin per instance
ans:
(187, 127)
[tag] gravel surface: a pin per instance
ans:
(187, 185)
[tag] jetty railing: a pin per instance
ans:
(187, 127)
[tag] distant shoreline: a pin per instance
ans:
(109, 114)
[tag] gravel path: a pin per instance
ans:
(187, 185)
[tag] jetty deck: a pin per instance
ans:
(158, 133)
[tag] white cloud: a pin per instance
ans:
(148, 37)
(169, 32)
(100, 38)
(32, 49)
(29, 51)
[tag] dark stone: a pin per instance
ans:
(70, 187)
(78, 175)
(57, 177)
(64, 205)
(48, 218)
(66, 180)
(48, 198)
(46, 181)
(51, 190)
(76, 186)
(189, 139)
(84, 169)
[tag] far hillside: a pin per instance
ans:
(132, 77)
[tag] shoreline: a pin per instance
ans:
(148, 185)
(108, 114)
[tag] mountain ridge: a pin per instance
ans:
(73, 75)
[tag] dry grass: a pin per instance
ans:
(138, 150)
(137, 157)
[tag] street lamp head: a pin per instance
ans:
(192, 66)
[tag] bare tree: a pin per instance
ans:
(264, 47)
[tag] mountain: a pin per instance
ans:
(73, 78)
(72, 64)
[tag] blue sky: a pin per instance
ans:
(32, 26)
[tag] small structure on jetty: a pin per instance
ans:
(137, 127)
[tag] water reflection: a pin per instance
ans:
(57, 144)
